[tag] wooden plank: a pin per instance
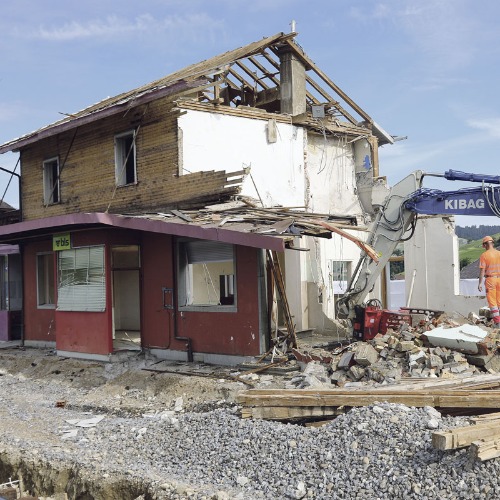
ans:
(485, 449)
(463, 436)
(181, 215)
(457, 399)
(486, 417)
(341, 400)
(362, 392)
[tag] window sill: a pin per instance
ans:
(209, 308)
(47, 306)
(136, 183)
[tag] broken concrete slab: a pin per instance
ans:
(465, 338)
(365, 354)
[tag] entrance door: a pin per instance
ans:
(126, 297)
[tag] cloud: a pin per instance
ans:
(11, 110)
(489, 125)
(448, 34)
(434, 83)
(117, 27)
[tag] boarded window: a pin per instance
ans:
(81, 280)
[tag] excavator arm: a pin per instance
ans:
(395, 218)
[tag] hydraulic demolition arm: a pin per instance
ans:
(397, 215)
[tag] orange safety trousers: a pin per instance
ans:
(492, 285)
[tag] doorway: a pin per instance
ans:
(126, 269)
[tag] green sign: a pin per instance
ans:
(61, 242)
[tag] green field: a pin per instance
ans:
(474, 249)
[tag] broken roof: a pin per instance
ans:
(232, 222)
(249, 75)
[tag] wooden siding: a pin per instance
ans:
(87, 167)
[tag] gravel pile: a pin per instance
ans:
(378, 452)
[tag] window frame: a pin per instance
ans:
(47, 305)
(51, 186)
(183, 275)
(121, 149)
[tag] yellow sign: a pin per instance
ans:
(61, 242)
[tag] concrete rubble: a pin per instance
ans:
(437, 349)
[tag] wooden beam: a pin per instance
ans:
(485, 449)
(264, 70)
(249, 72)
(443, 399)
(463, 436)
(328, 81)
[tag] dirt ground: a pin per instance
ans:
(35, 383)
(138, 384)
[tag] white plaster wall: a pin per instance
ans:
(213, 141)
(299, 169)
(321, 300)
(432, 255)
(331, 173)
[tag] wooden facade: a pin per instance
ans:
(87, 167)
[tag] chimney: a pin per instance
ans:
(292, 82)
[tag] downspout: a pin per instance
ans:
(23, 311)
(188, 340)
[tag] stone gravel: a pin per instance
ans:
(377, 452)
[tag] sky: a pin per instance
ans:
(428, 70)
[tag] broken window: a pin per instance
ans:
(125, 165)
(45, 280)
(206, 274)
(81, 284)
(51, 181)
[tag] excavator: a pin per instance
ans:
(394, 217)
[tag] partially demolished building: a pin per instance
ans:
(168, 216)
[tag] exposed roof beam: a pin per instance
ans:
(249, 72)
(327, 80)
(331, 100)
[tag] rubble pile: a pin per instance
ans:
(444, 349)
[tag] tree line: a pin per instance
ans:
(475, 232)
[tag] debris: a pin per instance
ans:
(467, 338)
(88, 422)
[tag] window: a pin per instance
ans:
(45, 280)
(81, 284)
(207, 275)
(125, 168)
(11, 291)
(51, 181)
(339, 274)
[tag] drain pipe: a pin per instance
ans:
(23, 309)
(188, 340)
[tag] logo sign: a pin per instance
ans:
(61, 242)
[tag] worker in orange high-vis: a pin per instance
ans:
(489, 268)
